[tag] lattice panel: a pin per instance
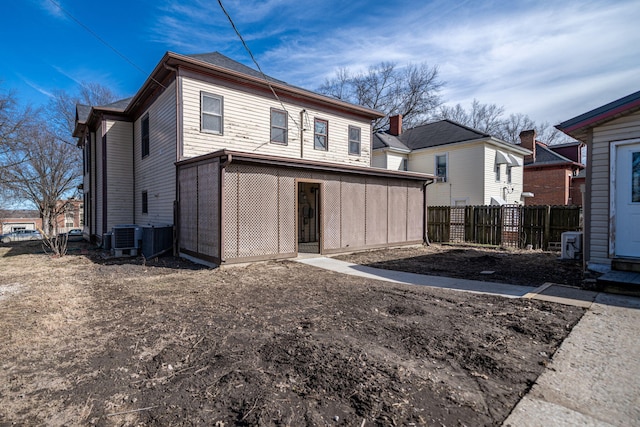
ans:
(456, 233)
(511, 220)
(287, 213)
(376, 212)
(257, 211)
(208, 209)
(352, 201)
(330, 211)
(397, 213)
(188, 208)
(230, 242)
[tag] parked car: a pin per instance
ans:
(21, 235)
(75, 235)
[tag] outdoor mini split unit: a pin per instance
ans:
(571, 245)
(126, 236)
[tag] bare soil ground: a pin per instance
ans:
(89, 341)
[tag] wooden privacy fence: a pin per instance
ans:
(509, 225)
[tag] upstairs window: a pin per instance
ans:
(509, 170)
(404, 165)
(441, 168)
(144, 133)
(320, 134)
(496, 170)
(210, 113)
(354, 140)
(279, 126)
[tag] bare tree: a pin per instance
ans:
(412, 91)
(49, 173)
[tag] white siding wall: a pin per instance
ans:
(394, 161)
(120, 173)
(156, 173)
(624, 128)
(246, 127)
(465, 170)
(495, 188)
(379, 159)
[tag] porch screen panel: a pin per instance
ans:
(330, 212)
(208, 238)
(376, 212)
(189, 208)
(286, 213)
(397, 213)
(230, 243)
(352, 201)
(415, 212)
(257, 211)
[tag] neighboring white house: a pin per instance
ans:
(472, 168)
(243, 165)
(612, 197)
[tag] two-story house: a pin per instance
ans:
(471, 167)
(242, 165)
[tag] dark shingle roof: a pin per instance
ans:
(546, 156)
(430, 135)
(218, 59)
(82, 112)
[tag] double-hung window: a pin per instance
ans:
(144, 134)
(320, 134)
(211, 113)
(354, 140)
(145, 202)
(279, 126)
(441, 167)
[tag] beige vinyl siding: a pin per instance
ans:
(495, 188)
(394, 161)
(246, 127)
(99, 181)
(120, 172)
(465, 169)
(627, 127)
(156, 173)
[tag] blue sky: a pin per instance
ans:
(551, 60)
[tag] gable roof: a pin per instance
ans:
(435, 134)
(218, 59)
(578, 126)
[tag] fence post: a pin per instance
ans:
(547, 228)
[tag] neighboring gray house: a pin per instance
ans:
(612, 197)
(242, 167)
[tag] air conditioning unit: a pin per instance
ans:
(441, 179)
(126, 236)
(571, 245)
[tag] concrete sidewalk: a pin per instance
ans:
(594, 377)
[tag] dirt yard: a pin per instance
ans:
(88, 341)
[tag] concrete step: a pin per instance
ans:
(620, 282)
(626, 264)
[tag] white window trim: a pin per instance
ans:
(435, 166)
(353, 140)
(202, 113)
(285, 128)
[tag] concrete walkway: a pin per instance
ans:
(594, 377)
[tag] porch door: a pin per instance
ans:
(627, 201)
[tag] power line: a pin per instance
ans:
(103, 41)
(264, 76)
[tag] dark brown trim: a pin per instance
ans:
(207, 258)
(369, 247)
(252, 158)
(259, 258)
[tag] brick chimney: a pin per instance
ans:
(395, 124)
(528, 141)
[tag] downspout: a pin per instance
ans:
(178, 145)
(425, 237)
(302, 133)
(221, 202)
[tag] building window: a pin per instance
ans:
(144, 134)
(441, 167)
(211, 113)
(497, 171)
(404, 165)
(279, 126)
(509, 170)
(145, 202)
(354, 140)
(320, 134)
